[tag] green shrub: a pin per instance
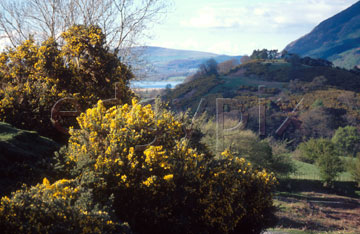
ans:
(324, 154)
(263, 154)
(308, 151)
(355, 170)
(347, 140)
(317, 103)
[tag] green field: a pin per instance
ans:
(309, 171)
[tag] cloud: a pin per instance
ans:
(239, 26)
(4, 42)
(225, 47)
(265, 16)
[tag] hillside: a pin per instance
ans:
(282, 86)
(24, 157)
(166, 63)
(336, 39)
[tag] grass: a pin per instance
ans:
(24, 157)
(236, 81)
(305, 206)
(311, 172)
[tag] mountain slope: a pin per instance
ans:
(336, 39)
(164, 55)
(171, 62)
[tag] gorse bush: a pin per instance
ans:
(159, 184)
(93, 67)
(33, 77)
(54, 208)
(128, 162)
(29, 87)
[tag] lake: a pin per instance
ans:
(153, 84)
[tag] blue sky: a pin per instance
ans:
(237, 27)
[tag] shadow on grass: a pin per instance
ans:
(285, 222)
(342, 188)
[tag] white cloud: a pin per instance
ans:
(265, 16)
(260, 11)
(225, 47)
(239, 26)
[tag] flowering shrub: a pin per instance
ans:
(159, 183)
(29, 87)
(54, 208)
(241, 194)
(94, 69)
(33, 77)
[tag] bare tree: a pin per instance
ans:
(124, 22)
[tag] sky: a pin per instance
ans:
(237, 27)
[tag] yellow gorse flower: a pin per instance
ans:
(168, 177)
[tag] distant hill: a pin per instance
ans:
(165, 63)
(336, 39)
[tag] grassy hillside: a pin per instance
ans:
(282, 71)
(24, 157)
(346, 59)
(328, 94)
(244, 80)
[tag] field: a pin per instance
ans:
(304, 206)
(311, 172)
